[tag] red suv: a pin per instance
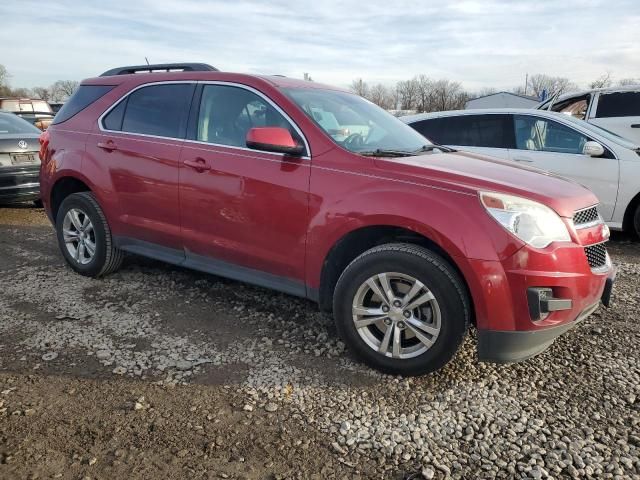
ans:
(316, 192)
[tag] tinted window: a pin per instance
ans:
(429, 128)
(539, 134)
(493, 131)
(159, 110)
(620, 104)
(11, 124)
(81, 99)
(228, 113)
(113, 120)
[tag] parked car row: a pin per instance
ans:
(316, 192)
(37, 112)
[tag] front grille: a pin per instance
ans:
(587, 215)
(596, 255)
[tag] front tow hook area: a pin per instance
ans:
(542, 302)
(608, 287)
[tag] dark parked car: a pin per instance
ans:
(314, 191)
(19, 162)
(37, 112)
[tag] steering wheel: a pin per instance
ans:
(353, 141)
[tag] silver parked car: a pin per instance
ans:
(606, 163)
(19, 162)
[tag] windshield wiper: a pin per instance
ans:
(380, 152)
(434, 146)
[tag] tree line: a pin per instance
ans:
(424, 94)
(59, 91)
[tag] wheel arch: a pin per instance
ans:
(62, 188)
(627, 220)
(357, 241)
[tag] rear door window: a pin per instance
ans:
(158, 110)
(492, 131)
(81, 99)
(618, 104)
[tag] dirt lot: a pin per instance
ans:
(159, 372)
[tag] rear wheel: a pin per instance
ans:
(402, 308)
(84, 236)
(636, 222)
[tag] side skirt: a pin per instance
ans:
(213, 266)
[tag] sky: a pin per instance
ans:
(481, 44)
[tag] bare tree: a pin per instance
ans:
(4, 76)
(307, 77)
(424, 93)
(408, 94)
(602, 81)
(540, 82)
(382, 96)
(448, 95)
(62, 89)
(43, 93)
(360, 87)
(623, 82)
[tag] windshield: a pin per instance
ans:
(614, 137)
(12, 124)
(355, 123)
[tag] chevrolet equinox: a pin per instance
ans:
(316, 192)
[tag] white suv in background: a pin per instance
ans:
(605, 163)
(616, 109)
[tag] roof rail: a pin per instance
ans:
(161, 67)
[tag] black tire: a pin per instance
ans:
(636, 222)
(107, 258)
(38, 203)
(436, 274)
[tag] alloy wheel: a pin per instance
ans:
(79, 236)
(396, 315)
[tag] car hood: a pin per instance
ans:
(9, 142)
(470, 172)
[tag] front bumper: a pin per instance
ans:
(19, 184)
(503, 346)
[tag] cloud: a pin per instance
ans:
(489, 43)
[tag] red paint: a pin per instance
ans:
(282, 214)
(271, 136)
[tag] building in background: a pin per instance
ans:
(502, 100)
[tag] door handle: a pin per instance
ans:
(109, 145)
(199, 164)
(521, 159)
(635, 125)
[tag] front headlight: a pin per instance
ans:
(530, 221)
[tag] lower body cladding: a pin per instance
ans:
(19, 183)
(529, 299)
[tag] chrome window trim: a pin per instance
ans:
(207, 82)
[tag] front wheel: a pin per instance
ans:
(84, 236)
(402, 308)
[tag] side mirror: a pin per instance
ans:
(593, 149)
(273, 139)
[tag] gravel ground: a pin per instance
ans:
(157, 370)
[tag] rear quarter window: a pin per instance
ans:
(618, 104)
(81, 99)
